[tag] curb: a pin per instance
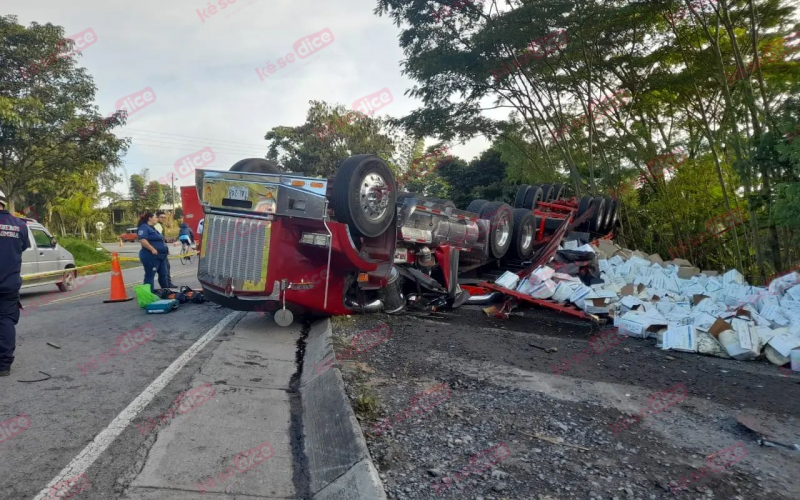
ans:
(339, 463)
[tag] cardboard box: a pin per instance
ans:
(544, 290)
(564, 290)
(686, 272)
(507, 280)
(595, 305)
(680, 338)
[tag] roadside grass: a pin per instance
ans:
(86, 253)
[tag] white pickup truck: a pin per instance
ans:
(45, 257)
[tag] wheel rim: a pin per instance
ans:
(502, 231)
(527, 236)
(69, 280)
(374, 196)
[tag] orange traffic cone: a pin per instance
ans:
(117, 283)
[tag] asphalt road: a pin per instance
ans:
(88, 389)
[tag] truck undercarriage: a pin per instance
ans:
(290, 244)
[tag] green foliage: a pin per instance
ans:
(153, 196)
(42, 112)
(77, 212)
(84, 252)
(332, 133)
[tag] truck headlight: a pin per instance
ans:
(317, 239)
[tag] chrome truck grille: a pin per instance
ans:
(234, 248)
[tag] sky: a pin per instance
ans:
(206, 70)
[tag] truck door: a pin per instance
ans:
(45, 252)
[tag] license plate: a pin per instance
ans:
(238, 192)
(401, 256)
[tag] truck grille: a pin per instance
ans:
(234, 248)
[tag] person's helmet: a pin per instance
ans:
(3, 199)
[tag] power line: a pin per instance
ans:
(174, 146)
(197, 144)
(194, 137)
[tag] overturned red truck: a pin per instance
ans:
(286, 243)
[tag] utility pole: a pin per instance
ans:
(172, 176)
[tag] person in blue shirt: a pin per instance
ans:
(186, 235)
(13, 241)
(153, 254)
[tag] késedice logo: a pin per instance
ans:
(242, 462)
(126, 342)
(186, 165)
(129, 341)
(89, 275)
(82, 40)
(303, 47)
(184, 403)
(373, 102)
(716, 462)
(69, 487)
(13, 426)
(212, 10)
(135, 102)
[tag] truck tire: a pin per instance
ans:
(501, 227)
(257, 165)
(558, 192)
(364, 195)
(547, 192)
(612, 219)
(532, 197)
(607, 218)
(475, 206)
(524, 234)
(585, 205)
(599, 215)
(519, 200)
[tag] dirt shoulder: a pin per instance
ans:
(504, 394)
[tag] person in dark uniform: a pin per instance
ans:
(13, 241)
(159, 226)
(153, 254)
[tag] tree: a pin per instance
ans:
(332, 133)
(76, 212)
(169, 194)
(137, 192)
(153, 197)
(596, 90)
(46, 107)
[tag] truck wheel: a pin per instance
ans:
(583, 207)
(524, 233)
(607, 218)
(475, 206)
(364, 194)
(519, 200)
(558, 192)
(67, 281)
(612, 219)
(501, 225)
(547, 193)
(257, 165)
(599, 215)
(532, 197)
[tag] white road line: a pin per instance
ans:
(93, 450)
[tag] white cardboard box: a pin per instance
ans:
(680, 338)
